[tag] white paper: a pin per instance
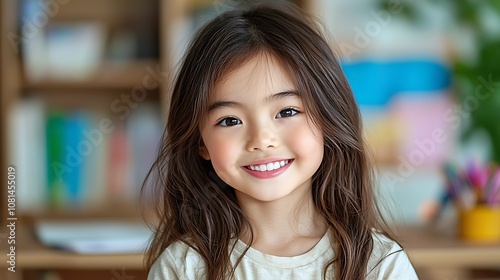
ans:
(95, 237)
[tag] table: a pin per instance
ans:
(438, 253)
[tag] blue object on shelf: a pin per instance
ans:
(376, 82)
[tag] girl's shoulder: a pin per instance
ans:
(383, 245)
(177, 261)
(389, 260)
(180, 249)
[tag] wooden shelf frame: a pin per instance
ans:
(109, 76)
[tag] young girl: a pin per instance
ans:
(263, 172)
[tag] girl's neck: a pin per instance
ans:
(287, 227)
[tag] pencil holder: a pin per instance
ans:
(481, 223)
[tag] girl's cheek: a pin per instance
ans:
(224, 149)
(305, 139)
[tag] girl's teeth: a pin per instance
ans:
(268, 167)
(262, 167)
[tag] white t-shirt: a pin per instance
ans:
(179, 261)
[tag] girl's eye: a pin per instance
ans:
(230, 121)
(288, 112)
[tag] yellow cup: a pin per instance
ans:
(482, 223)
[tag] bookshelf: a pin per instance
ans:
(132, 60)
(42, 67)
(109, 76)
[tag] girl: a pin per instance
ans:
(262, 172)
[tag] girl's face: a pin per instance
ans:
(257, 134)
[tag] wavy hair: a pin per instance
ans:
(190, 203)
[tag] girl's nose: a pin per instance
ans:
(262, 139)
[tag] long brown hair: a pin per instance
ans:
(191, 203)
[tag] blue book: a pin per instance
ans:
(77, 149)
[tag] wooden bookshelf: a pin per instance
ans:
(109, 76)
(112, 78)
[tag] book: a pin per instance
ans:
(96, 166)
(26, 151)
(77, 149)
(119, 164)
(56, 167)
(144, 130)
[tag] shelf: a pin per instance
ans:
(125, 23)
(434, 248)
(33, 255)
(122, 209)
(109, 76)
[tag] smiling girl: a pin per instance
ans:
(263, 172)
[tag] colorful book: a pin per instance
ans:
(56, 167)
(77, 149)
(119, 164)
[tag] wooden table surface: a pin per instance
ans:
(426, 248)
(429, 247)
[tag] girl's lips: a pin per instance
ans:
(256, 172)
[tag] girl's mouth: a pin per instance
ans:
(268, 170)
(269, 166)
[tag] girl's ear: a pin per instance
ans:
(204, 152)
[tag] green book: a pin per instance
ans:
(56, 167)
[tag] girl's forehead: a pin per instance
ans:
(262, 72)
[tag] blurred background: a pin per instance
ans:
(84, 89)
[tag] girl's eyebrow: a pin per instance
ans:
(231, 104)
(282, 95)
